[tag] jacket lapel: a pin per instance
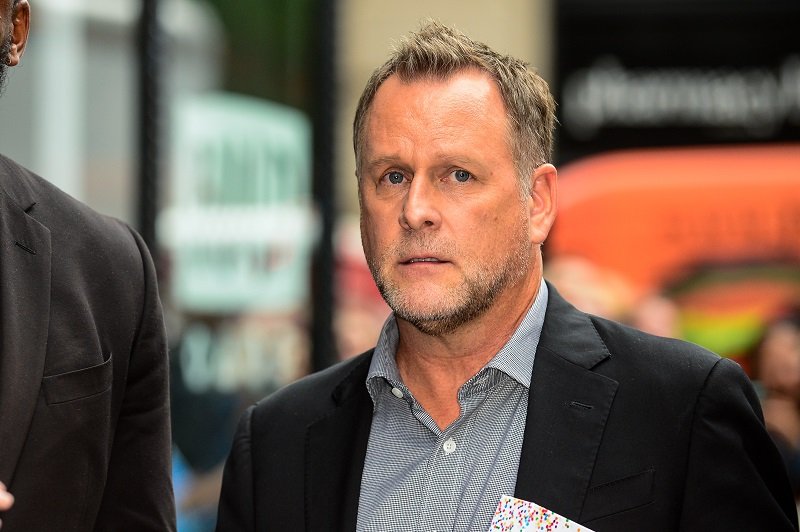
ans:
(335, 451)
(567, 409)
(25, 308)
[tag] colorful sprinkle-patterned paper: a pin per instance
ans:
(516, 515)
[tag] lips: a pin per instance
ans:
(424, 253)
(421, 259)
(423, 263)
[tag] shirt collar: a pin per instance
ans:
(515, 358)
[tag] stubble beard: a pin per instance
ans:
(473, 296)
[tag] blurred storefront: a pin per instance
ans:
(710, 233)
(680, 158)
(73, 100)
(237, 232)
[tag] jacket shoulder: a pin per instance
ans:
(623, 338)
(644, 361)
(315, 395)
(67, 218)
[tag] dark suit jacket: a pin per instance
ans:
(624, 432)
(84, 414)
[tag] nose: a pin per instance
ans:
(420, 206)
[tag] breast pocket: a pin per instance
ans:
(619, 496)
(78, 384)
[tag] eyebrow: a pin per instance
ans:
(462, 161)
(386, 160)
(389, 160)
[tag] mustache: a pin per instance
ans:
(412, 243)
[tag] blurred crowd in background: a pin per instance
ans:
(678, 152)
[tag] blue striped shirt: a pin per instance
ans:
(418, 477)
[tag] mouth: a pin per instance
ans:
(421, 259)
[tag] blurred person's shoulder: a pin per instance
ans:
(71, 223)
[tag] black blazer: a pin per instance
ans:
(624, 432)
(84, 413)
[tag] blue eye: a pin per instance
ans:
(462, 176)
(395, 178)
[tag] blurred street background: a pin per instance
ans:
(221, 130)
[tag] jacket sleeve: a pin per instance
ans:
(735, 478)
(236, 505)
(138, 493)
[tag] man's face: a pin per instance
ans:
(445, 228)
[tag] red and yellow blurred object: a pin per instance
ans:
(714, 229)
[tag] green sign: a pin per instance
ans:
(240, 223)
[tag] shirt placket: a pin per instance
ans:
(441, 491)
(445, 479)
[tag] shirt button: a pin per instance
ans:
(449, 446)
(397, 393)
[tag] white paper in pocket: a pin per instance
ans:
(516, 515)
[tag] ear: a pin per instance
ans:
(21, 21)
(543, 201)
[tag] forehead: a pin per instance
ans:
(431, 121)
(466, 98)
(468, 85)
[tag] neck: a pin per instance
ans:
(435, 367)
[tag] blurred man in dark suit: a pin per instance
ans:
(84, 414)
